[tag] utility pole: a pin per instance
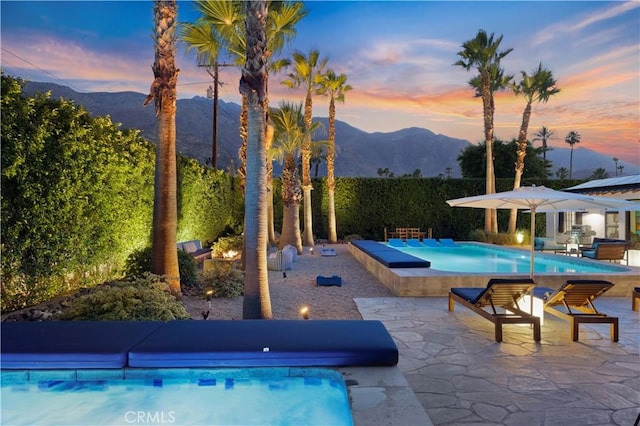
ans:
(212, 92)
(214, 149)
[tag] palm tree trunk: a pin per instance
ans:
(253, 84)
(291, 197)
(571, 162)
(520, 154)
(163, 91)
(307, 235)
(490, 220)
(331, 184)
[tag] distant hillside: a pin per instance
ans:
(358, 153)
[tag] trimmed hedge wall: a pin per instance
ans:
(77, 198)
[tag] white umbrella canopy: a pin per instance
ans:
(542, 199)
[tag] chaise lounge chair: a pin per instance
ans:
(430, 242)
(414, 242)
(577, 296)
(503, 294)
(447, 242)
(396, 242)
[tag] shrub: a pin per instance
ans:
(223, 280)
(225, 244)
(139, 262)
(478, 235)
(145, 298)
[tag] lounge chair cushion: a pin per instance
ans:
(396, 242)
(266, 343)
(71, 344)
(414, 242)
(470, 294)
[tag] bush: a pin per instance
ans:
(478, 235)
(139, 262)
(140, 299)
(225, 244)
(222, 280)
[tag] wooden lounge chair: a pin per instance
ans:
(635, 298)
(503, 294)
(607, 251)
(576, 297)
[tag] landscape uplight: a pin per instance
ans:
(304, 311)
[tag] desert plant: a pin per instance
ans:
(145, 298)
(222, 280)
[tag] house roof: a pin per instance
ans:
(629, 186)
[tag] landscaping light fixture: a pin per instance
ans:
(304, 311)
(520, 237)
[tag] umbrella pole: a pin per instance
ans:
(532, 238)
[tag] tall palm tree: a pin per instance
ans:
(307, 73)
(164, 253)
(544, 135)
(253, 86)
(288, 122)
(537, 87)
(226, 35)
(482, 54)
(335, 86)
(572, 138)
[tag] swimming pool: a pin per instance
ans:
(434, 281)
(491, 259)
(198, 397)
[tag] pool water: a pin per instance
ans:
(251, 401)
(474, 258)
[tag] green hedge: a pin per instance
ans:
(77, 197)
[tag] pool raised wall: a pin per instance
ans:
(420, 282)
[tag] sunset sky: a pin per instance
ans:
(397, 55)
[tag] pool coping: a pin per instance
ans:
(428, 282)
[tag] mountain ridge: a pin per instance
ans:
(358, 153)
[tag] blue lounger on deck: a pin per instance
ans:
(447, 242)
(414, 242)
(71, 344)
(430, 242)
(396, 242)
(266, 343)
(390, 257)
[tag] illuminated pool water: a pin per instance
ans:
(490, 259)
(319, 398)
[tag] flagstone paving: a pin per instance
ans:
(462, 376)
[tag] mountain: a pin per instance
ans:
(359, 153)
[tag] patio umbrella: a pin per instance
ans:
(540, 198)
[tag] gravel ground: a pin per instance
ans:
(299, 289)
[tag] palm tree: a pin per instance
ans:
(562, 173)
(253, 86)
(307, 73)
(544, 135)
(318, 156)
(537, 87)
(482, 54)
(599, 173)
(335, 86)
(572, 138)
(220, 30)
(164, 253)
(288, 122)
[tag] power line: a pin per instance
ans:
(41, 69)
